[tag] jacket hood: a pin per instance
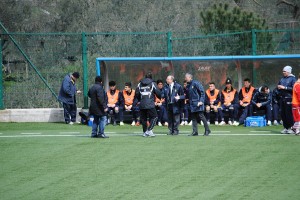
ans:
(146, 81)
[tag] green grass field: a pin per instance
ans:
(58, 161)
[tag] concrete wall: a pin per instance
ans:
(32, 115)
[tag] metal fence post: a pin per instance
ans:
(254, 49)
(169, 43)
(85, 71)
(1, 79)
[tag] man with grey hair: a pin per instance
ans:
(174, 99)
(196, 96)
(285, 87)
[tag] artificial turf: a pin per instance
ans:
(58, 161)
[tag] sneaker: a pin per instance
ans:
(275, 123)
(137, 124)
(269, 123)
(208, 123)
(201, 122)
(191, 123)
(103, 136)
(284, 131)
(182, 123)
(145, 134)
(222, 123)
(216, 123)
(235, 123)
(290, 131)
(159, 124)
(121, 123)
(186, 123)
(166, 124)
(230, 123)
(71, 123)
(151, 134)
(133, 123)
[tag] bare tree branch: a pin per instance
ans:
(296, 12)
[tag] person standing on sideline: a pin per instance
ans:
(245, 96)
(196, 96)
(285, 87)
(98, 108)
(67, 95)
(145, 94)
(174, 97)
(296, 106)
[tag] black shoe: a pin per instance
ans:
(94, 136)
(102, 136)
(193, 134)
(206, 133)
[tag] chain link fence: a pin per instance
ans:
(34, 64)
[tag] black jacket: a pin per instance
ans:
(264, 99)
(98, 100)
(177, 105)
(145, 93)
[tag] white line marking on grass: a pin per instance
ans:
(221, 131)
(260, 131)
(1, 133)
(128, 135)
(247, 134)
(30, 133)
(69, 132)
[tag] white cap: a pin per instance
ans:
(287, 69)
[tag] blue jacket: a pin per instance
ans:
(195, 94)
(264, 99)
(288, 82)
(177, 105)
(67, 92)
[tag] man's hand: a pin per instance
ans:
(177, 97)
(200, 103)
(78, 92)
(258, 105)
(280, 87)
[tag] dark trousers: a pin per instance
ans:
(162, 113)
(113, 114)
(216, 114)
(195, 118)
(173, 121)
(275, 111)
(246, 111)
(70, 111)
(286, 112)
(135, 111)
(152, 114)
(233, 112)
(268, 111)
(185, 113)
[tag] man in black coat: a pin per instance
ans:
(174, 100)
(98, 108)
(196, 97)
(145, 94)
